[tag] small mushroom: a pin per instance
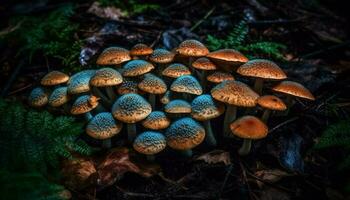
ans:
(131, 108)
(79, 82)
(59, 97)
(185, 134)
(227, 59)
(166, 98)
(249, 128)
(205, 65)
(219, 76)
(192, 48)
(113, 56)
(204, 108)
(127, 87)
(150, 143)
(178, 108)
(83, 105)
(261, 70)
(102, 127)
(140, 51)
(154, 86)
(157, 120)
(38, 97)
(136, 68)
(161, 57)
(270, 103)
(176, 70)
(54, 78)
(187, 85)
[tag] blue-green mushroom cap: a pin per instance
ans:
(149, 143)
(204, 107)
(137, 68)
(187, 84)
(103, 126)
(38, 97)
(79, 82)
(58, 97)
(178, 106)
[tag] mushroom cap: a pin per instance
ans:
(262, 69)
(131, 108)
(103, 126)
(229, 55)
(106, 77)
(79, 82)
(149, 143)
(137, 68)
(185, 134)
(153, 84)
(176, 70)
(294, 89)
(113, 56)
(166, 97)
(84, 104)
(271, 102)
(38, 97)
(219, 76)
(187, 84)
(235, 93)
(249, 127)
(204, 64)
(58, 97)
(178, 106)
(205, 108)
(54, 78)
(161, 56)
(127, 86)
(141, 50)
(156, 120)
(192, 48)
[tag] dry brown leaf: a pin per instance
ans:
(216, 156)
(108, 12)
(270, 175)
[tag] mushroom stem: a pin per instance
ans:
(131, 132)
(152, 100)
(230, 115)
(258, 86)
(107, 143)
(187, 153)
(110, 93)
(150, 158)
(289, 103)
(190, 60)
(266, 115)
(204, 80)
(88, 116)
(245, 148)
(210, 138)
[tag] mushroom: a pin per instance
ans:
(59, 97)
(227, 59)
(176, 70)
(83, 105)
(102, 127)
(152, 85)
(79, 82)
(140, 51)
(188, 85)
(150, 143)
(177, 108)
(131, 108)
(166, 98)
(54, 78)
(161, 57)
(107, 77)
(261, 70)
(204, 108)
(219, 76)
(295, 89)
(192, 48)
(249, 128)
(137, 68)
(270, 103)
(113, 56)
(185, 134)
(157, 120)
(128, 86)
(233, 93)
(38, 97)
(205, 65)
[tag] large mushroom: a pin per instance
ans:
(249, 128)
(154, 86)
(150, 143)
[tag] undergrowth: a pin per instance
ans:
(237, 39)
(130, 7)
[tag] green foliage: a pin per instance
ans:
(51, 34)
(237, 39)
(36, 140)
(130, 7)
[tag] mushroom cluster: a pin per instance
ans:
(168, 98)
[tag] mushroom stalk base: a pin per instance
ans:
(230, 115)
(258, 86)
(131, 132)
(266, 115)
(152, 100)
(107, 143)
(245, 149)
(210, 138)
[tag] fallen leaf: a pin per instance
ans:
(216, 156)
(108, 12)
(270, 175)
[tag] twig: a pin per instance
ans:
(276, 22)
(203, 19)
(157, 39)
(321, 51)
(12, 78)
(283, 124)
(246, 180)
(171, 181)
(132, 194)
(20, 89)
(229, 170)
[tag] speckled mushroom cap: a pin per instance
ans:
(79, 82)
(187, 84)
(149, 143)
(175, 70)
(178, 106)
(205, 108)
(229, 55)
(157, 120)
(166, 97)
(153, 84)
(106, 77)
(58, 97)
(271, 102)
(249, 127)
(137, 68)
(38, 97)
(84, 104)
(131, 108)
(161, 56)
(294, 89)
(141, 50)
(54, 78)
(262, 69)
(204, 64)
(128, 86)
(219, 76)
(184, 134)
(235, 93)
(113, 56)
(103, 126)
(192, 48)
